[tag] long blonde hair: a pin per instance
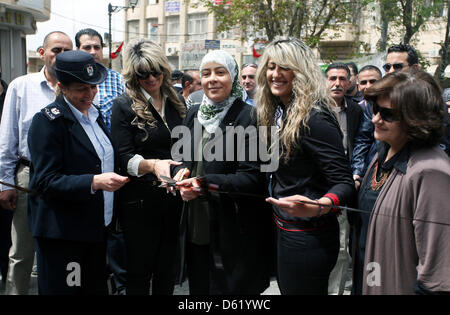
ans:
(143, 55)
(310, 88)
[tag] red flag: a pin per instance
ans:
(115, 54)
(255, 54)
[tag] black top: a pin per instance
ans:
(3, 95)
(240, 226)
(317, 166)
(130, 139)
(367, 196)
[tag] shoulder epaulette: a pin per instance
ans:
(51, 112)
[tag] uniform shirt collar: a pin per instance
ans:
(92, 112)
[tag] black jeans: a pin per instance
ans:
(71, 267)
(305, 259)
(116, 260)
(150, 228)
(5, 240)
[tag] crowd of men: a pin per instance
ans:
(34, 91)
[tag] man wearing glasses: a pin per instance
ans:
(400, 57)
(364, 144)
(248, 81)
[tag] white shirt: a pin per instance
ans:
(104, 150)
(26, 96)
(342, 114)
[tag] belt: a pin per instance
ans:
(24, 162)
(298, 226)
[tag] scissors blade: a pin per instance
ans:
(168, 180)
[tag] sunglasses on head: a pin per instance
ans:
(397, 66)
(364, 82)
(145, 75)
(386, 114)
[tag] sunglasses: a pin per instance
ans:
(386, 114)
(364, 82)
(397, 66)
(145, 75)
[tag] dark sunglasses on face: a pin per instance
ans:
(364, 82)
(145, 75)
(397, 66)
(386, 114)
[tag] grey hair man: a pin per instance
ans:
(248, 81)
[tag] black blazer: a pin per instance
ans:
(129, 139)
(63, 164)
(354, 117)
(241, 226)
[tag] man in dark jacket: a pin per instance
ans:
(364, 149)
(349, 114)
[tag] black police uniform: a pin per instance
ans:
(66, 218)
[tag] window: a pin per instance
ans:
(152, 29)
(173, 28)
(197, 26)
(138, 3)
(133, 29)
(230, 34)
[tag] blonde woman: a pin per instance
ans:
(292, 93)
(141, 124)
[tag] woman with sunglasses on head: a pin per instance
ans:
(293, 94)
(141, 123)
(406, 190)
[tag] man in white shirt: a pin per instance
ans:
(26, 96)
(248, 81)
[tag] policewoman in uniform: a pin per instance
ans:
(73, 175)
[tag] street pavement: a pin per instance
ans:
(179, 290)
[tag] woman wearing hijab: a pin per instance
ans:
(141, 124)
(227, 237)
(293, 94)
(74, 176)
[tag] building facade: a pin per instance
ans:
(186, 31)
(17, 19)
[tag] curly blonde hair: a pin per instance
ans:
(140, 56)
(310, 88)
